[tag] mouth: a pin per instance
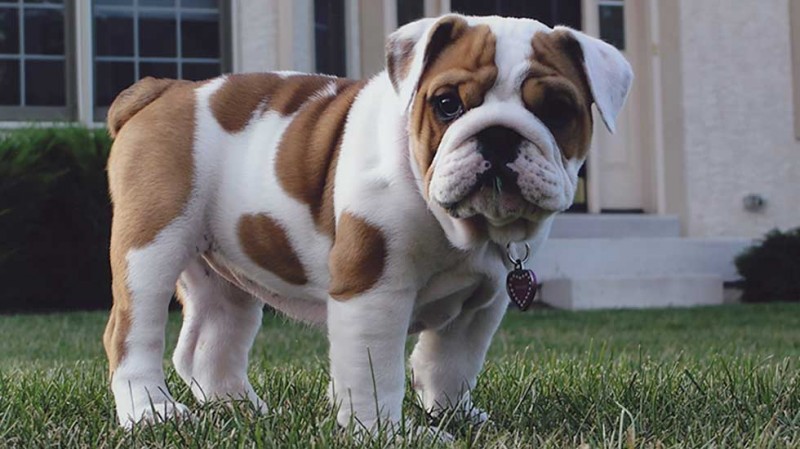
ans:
(495, 196)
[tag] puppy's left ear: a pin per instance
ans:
(415, 46)
(608, 72)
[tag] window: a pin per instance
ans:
(409, 11)
(34, 67)
(161, 38)
(549, 12)
(329, 37)
(612, 22)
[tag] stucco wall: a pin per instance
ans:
(738, 116)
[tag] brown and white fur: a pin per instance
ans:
(351, 204)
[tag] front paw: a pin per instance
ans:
(156, 412)
(399, 432)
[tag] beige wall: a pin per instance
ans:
(738, 132)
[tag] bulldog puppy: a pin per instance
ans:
(376, 208)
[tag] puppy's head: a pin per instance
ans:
(499, 118)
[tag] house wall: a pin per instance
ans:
(737, 117)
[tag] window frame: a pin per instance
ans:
(99, 113)
(68, 112)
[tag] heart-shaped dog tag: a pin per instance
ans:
(521, 286)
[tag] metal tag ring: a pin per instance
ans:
(518, 261)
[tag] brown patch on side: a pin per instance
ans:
(557, 87)
(459, 58)
(150, 173)
(309, 150)
(264, 240)
(357, 258)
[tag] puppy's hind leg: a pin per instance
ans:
(220, 322)
(143, 283)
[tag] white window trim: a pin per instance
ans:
(83, 63)
(794, 27)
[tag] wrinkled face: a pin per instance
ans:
(499, 122)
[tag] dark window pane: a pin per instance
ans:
(114, 2)
(113, 33)
(50, 2)
(157, 34)
(158, 69)
(44, 83)
(109, 79)
(44, 31)
(9, 31)
(200, 3)
(612, 25)
(409, 11)
(549, 12)
(475, 7)
(200, 35)
(329, 37)
(9, 83)
(199, 72)
(160, 3)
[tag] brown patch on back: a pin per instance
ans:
(557, 76)
(357, 258)
(264, 240)
(309, 150)
(234, 103)
(150, 173)
(458, 56)
(243, 96)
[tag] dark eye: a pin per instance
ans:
(556, 114)
(448, 106)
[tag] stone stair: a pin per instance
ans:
(632, 261)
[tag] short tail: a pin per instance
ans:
(134, 99)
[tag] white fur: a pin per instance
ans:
(439, 279)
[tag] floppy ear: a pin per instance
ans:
(608, 73)
(413, 47)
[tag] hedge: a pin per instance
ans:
(55, 219)
(771, 269)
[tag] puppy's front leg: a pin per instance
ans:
(446, 362)
(367, 340)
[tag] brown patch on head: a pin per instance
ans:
(244, 96)
(150, 172)
(264, 240)
(357, 258)
(309, 150)
(558, 92)
(458, 58)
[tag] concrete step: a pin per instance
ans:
(640, 292)
(583, 226)
(637, 257)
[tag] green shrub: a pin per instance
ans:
(55, 217)
(771, 269)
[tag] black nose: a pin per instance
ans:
(499, 145)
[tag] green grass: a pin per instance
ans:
(713, 377)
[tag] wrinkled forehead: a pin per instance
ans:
(513, 47)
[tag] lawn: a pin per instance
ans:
(724, 377)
